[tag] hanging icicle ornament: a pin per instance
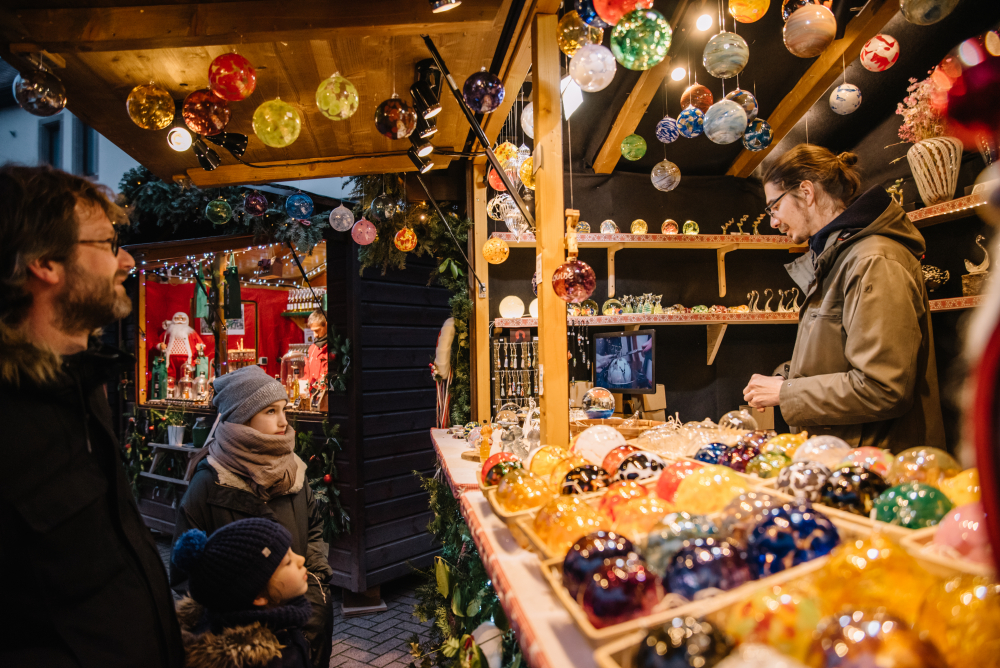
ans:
(516, 223)
(523, 153)
(574, 280)
(510, 168)
(341, 219)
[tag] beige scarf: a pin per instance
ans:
(267, 462)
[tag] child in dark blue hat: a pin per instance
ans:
(247, 604)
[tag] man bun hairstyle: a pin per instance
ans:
(836, 175)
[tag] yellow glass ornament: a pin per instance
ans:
(748, 11)
(782, 616)
(521, 490)
(496, 251)
(708, 489)
(617, 494)
(961, 616)
(546, 458)
(573, 32)
(406, 240)
(564, 520)
(637, 516)
(922, 464)
(505, 152)
(962, 488)
(639, 226)
(786, 443)
(560, 470)
(527, 176)
(150, 106)
(485, 441)
(277, 123)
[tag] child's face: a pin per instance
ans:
(271, 420)
(289, 581)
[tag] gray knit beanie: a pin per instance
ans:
(241, 394)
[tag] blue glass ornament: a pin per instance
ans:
(585, 8)
(713, 453)
(691, 122)
(483, 92)
(666, 130)
(787, 536)
(707, 562)
(745, 99)
(299, 206)
(758, 135)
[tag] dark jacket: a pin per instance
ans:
(82, 576)
(863, 368)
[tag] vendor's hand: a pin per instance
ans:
(763, 391)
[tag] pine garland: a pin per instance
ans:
(321, 471)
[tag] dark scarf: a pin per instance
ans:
(320, 341)
(294, 614)
(859, 215)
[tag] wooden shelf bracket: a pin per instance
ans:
(715, 334)
(720, 255)
(612, 249)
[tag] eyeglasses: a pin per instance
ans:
(769, 209)
(113, 242)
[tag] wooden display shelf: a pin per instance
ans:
(960, 207)
(955, 303)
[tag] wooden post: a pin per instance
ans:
(480, 353)
(141, 353)
(221, 338)
(549, 233)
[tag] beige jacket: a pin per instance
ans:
(863, 368)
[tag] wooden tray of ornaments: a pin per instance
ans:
(920, 544)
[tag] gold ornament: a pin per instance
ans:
(639, 226)
(505, 152)
(406, 240)
(526, 174)
(150, 106)
(573, 33)
(496, 251)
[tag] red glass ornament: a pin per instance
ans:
(395, 119)
(406, 240)
(328, 478)
(671, 477)
(574, 281)
(494, 460)
(697, 96)
(364, 232)
(232, 77)
(205, 112)
(612, 11)
(495, 181)
(620, 590)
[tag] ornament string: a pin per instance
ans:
(305, 277)
(444, 219)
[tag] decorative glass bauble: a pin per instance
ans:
(880, 53)
(786, 443)
(505, 151)
(803, 480)
(926, 12)
(758, 135)
(691, 122)
(869, 458)
(666, 130)
(218, 211)
(725, 55)
(669, 226)
(500, 207)
(827, 450)
(587, 12)
(494, 460)
(277, 123)
(745, 99)
(619, 492)
(511, 306)
(523, 152)
(620, 590)
(639, 466)
(594, 443)
(588, 554)
(745, 512)
(787, 536)
(665, 176)
(708, 489)
(382, 208)
(510, 168)
(845, 99)
(809, 30)
(41, 93)
(741, 454)
(565, 520)
(641, 39)
(612, 11)
(405, 240)
(639, 226)
(962, 488)
(495, 181)
(725, 122)
(963, 530)
(913, 505)
(395, 119)
(528, 119)
(534, 283)
(150, 106)
(782, 616)
(522, 490)
(545, 459)
(483, 92)
(961, 616)
(667, 537)
(255, 204)
(206, 113)
(612, 307)
(697, 95)
(637, 516)
(583, 227)
(598, 403)
(299, 206)
(363, 232)
(609, 227)
(713, 453)
(672, 476)
(923, 464)
(857, 637)
(499, 470)
(341, 219)
(701, 563)
(748, 11)
(789, 6)
(496, 250)
(562, 468)
(573, 32)
(527, 174)
(615, 457)
(633, 147)
(683, 642)
(337, 98)
(232, 77)
(593, 67)
(768, 464)
(584, 479)
(690, 227)
(852, 489)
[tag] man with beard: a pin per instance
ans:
(84, 584)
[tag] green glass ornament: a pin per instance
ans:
(218, 211)
(277, 123)
(768, 464)
(337, 98)
(690, 227)
(641, 39)
(633, 147)
(912, 505)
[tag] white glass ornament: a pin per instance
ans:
(665, 176)
(511, 307)
(593, 67)
(725, 122)
(341, 219)
(845, 99)
(528, 120)
(533, 308)
(880, 53)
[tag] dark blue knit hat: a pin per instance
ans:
(232, 567)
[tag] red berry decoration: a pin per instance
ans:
(328, 478)
(205, 112)
(232, 77)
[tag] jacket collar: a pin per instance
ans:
(857, 216)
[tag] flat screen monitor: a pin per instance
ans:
(623, 361)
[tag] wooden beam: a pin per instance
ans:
(548, 164)
(294, 170)
(480, 362)
(246, 22)
(715, 334)
(817, 80)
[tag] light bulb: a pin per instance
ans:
(678, 73)
(511, 307)
(179, 139)
(704, 22)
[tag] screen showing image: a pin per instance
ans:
(624, 361)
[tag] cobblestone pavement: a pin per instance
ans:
(369, 640)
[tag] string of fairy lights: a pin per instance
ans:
(184, 269)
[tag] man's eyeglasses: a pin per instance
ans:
(113, 241)
(769, 209)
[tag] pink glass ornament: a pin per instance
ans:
(574, 281)
(363, 232)
(964, 530)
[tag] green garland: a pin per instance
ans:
(321, 472)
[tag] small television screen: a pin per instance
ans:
(623, 361)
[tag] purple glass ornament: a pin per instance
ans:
(483, 92)
(395, 119)
(620, 590)
(588, 554)
(713, 453)
(757, 437)
(574, 281)
(738, 456)
(684, 642)
(707, 562)
(255, 204)
(787, 536)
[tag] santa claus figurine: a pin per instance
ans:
(180, 341)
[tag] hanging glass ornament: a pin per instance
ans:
(789, 6)
(809, 30)
(41, 93)
(587, 12)
(725, 55)
(341, 219)
(495, 181)
(573, 32)
(505, 152)
(926, 12)
(255, 203)
(150, 106)
(880, 53)
(845, 99)
(516, 223)
(232, 77)
(496, 250)
(534, 283)
(205, 113)
(746, 100)
(405, 240)
(218, 211)
(665, 176)
(758, 135)
(511, 168)
(666, 130)
(523, 153)
(690, 122)
(633, 147)
(574, 280)
(593, 67)
(528, 119)
(483, 92)
(395, 119)
(277, 123)
(641, 39)
(725, 122)
(498, 207)
(525, 171)
(697, 95)
(299, 206)
(363, 232)
(337, 98)
(382, 209)
(612, 11)
(748, 11)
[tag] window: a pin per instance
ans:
(50, 142)
(85, 140)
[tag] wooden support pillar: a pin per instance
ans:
(480, 353)
(219, 264)
(549, 232)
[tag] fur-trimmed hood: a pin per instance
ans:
(22, 361)
(248, 646)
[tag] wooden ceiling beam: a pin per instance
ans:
(294, 170)
(817, 80)
(165, 26)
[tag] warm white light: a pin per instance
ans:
(179, 139)
(678, 73)
(511, 307)
(704, 22)
(533, 308)
(572, 96)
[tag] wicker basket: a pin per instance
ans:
(634, 428)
